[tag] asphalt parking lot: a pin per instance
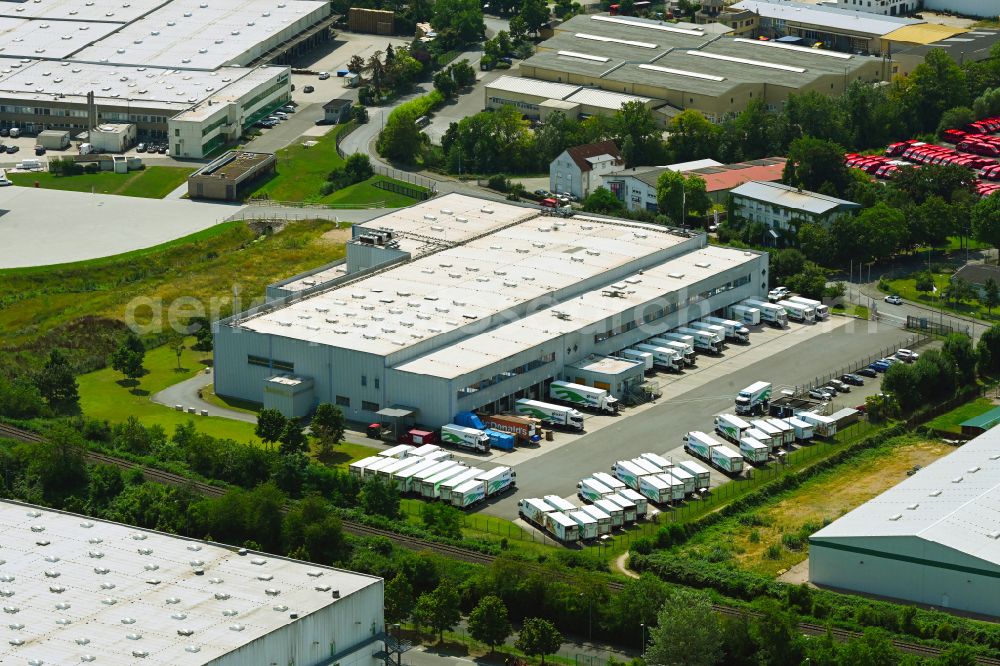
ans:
(691, 401)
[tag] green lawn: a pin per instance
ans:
(301, 172)
(907, 288)
(235, 404)
(949, 421)
(153, 182)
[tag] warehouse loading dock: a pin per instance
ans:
(622, 378)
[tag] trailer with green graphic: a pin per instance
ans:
(700, 444)
(553, 415)
(468, 493)
(591, 490)
(466, 438)
(754, 399)
(731, 427)
(497, 480)
(587, 397)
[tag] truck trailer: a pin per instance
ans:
(700, 444)
(735, 330)
(731, 427)
(675, 485)
(774, 434)
(744, 313)
(586, 524)
(587, 397)
(465, 438)
(630, 510)
(558, 503)
(398, 451)
(726, 459)
(562, 527)
(357, 468)
(647, 464)
(788, 431)
(498, 480)
(702, 476)
(404, 477)
(556, 415)
(824, 426)
(613, 509)
(663, 357)
(429, 486)
(770, 313)
(645, 357)
(822, 312)
(612, 482)
(703, 340)
(657, 460)
(655, 489)
(798, 311)
(804, 430)
(629, 472)
(687, 479)
(591, 490)
(425, 450)
(763, 437)
(641, 503)
(53, 139)
(388, 472)
(525, 429)
(445, 487)
(718, 331)
(372, 469)
(418, 438)
(754, 399)
(690, 357)
(533, 510)
(468, 493)
(754, 450)
(602, 518)
(417, 479)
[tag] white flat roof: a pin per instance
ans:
(23, 38)
(603, 98)
(517, 84)
(464, 284)
(75, 579)
(478, 351)
(103, 11)
(954, 502)
(606, 365)
(203, 34)
(829, 17)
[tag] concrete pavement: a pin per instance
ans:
(867, 294)
(284, 133)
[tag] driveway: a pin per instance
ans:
(287, 131)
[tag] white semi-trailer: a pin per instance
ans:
(562, 527)
(425, 450)
(398, 451)
(703, 340)
(683, 356)
(822, 312)
(754, 450)
(700, 444)
(357, 468)
(647, 464)
(686, 478)
(676, 486)
(663, 357)
(613, 509)
(465, 438)
(388, 472)
(602, 518)
(673, 336)
(657, 460)
(718, 331)
(645, 357)
(372, 469)
(744, 313)
(586, 524)
(787, 431)
(429, 486)
(655, 489)
(591, 490)
(445, 487)
(804, 430)
(735, 330)
(630, 511)
(824, 426)
(726, 459)
(731, 427)
(775, 315)
(764, 437)
(404, 478)
(629, 472)
(702, 476)
(556, 415)
(416, 481)
(497, 480)
(558, 503)
(534, 510)
(754, 399)
(587, 397)
(612, 482)
(776, 435)
(798, 311)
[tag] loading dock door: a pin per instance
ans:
(603, 385)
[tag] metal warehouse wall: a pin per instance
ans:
(312, 640)
(932, 584)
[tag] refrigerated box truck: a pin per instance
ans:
(445, 487)
(676, 485)
(525, 429)
(718, 331)
(629, 472)
(700, 444)
(753, 399)
(498, 480)
(612, 482)
(586, 524)
(468, 494)
(822, 312)
(558, 503)
(613, 509)
(787, 431)
(754, 450)
(533, 510)
(465, 438)
(655, 489)
(398, 451)
(703, 340)
(775, 435)
(562, 527)
(685, 477)
(726, 459)
(824, 426)
(602, 518)
(646, 358)
(557, 415)
(731, 427)
(770, 313)
(641, 503)
(684, 355)
(591, 490)
(663, 357)
(798, 311)
(657, 460)
(630, 511)
(702, 476)
(587, 397)
(744, 313)
(673, 336)
(735, 330)
(429, 486)
(804, 430)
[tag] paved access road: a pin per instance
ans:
(660, 428)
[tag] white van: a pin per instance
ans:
(15, 132)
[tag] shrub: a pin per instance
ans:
(792, 541)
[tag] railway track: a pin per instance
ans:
(453, 552)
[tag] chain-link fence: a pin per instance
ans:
(910, 342)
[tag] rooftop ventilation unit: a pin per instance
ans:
(934, 493)
(702, 264)
(895, 516)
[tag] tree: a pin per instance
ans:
(518, 28)
(440, 609)
(776, 633)
(814, 162)
(810, 281)
(488, 622)
(670, 195)
(697, 200)
(327, 426)
(602, 200)
(692, 136)
(356, 64)
(817, 115)
(936, 84)
(958, 654)
(57, 384)
(875, 233)
(816, 243)
(58, 462)
(401, 139)
(958, 290)
(924, 282)
(988, 351)
(901, 381)
(638, 603)
(538, 637)
(958, 350)
(459, 21)
(379, 498)
(270, 425)
(634, 129)
(399, 600)
(445, 84)
(534, 13)
(991, 294)
(955, 118)
(686, 633)
(442, 519)
(358, 167)
(986, 220)
(129, 356)
(292, 439)
(873, 649)
(784, 264)
(177, 347)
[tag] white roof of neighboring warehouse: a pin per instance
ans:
(603, 99)
(954, 501)
(472, 353)
(103, 11)
(105, 608)
(462, 285)
(22, 38)
(203, 34)
(517, 84)
(831, 17)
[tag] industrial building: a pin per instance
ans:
(81, 590)
(978, 8)
(189, 70)
(230, 176)
(459, 304)
(682, 67)
(933, 539)
(783, 207)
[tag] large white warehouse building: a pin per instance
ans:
(933, 539)
(77, 590)
(461, 304)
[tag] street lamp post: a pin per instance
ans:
(642, 648)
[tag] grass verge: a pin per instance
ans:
(950, 421)
(234, 404)
(154, 182)
(907, 288)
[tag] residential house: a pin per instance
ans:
(778, 206)
(578, 170)
(636, 187)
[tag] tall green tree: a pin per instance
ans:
(399, 599)
(991, 294)
(637, 603)
(379, 498)
(958, 350)
(817, 115)
(686, 632)
(459, 21)
(439, 610)
(986, 220)
(958, 654)
(400, 139)
(58, 463)
(327, 426)
(488, 622)
(538, 637)
(956, 118)
(692, 136)
(937, 84)
(776, 633)
(602, 200)
(57, 384)
(988, 351)
(634, 130)
(270, 424)
(129, 357)
(293, 440)
(679, 196)
(534, 13)
(812, 163)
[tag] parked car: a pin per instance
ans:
(141, 148)
(542, 193)
(830, 388)
(777, 294)
(288, 108)
(867, 372)
(891, 360)
(879, 366)
(39, 150)
(323, 76)
(162, 149)
(842, 387)
(307, 89)
(893, 299)
(852, 379)
(12, 149)
(4, 131)
(280, 115)
(819, 394)
(907, 355)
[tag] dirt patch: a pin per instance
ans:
(336, 236)
(621, 565)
